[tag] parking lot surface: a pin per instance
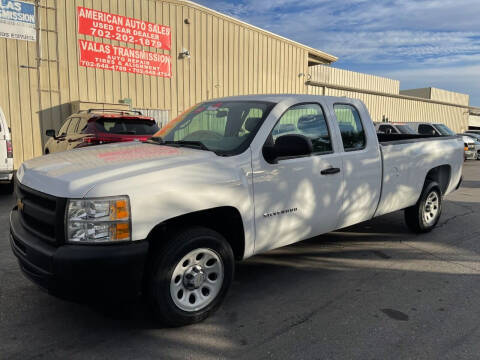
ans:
(371, 291)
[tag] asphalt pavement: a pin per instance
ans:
(371, 291)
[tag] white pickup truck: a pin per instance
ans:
(226, 180)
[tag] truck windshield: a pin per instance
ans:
(444, 130)
(227, 127)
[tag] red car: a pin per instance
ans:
(95, 127)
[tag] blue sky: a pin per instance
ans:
(422, 43)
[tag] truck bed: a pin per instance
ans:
(406, 160)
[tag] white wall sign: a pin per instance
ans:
(17, 20)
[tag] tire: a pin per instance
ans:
(169, 289)
(424, 215)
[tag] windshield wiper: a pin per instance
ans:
(155, 140)
(188, 143)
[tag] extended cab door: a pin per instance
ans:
(297, 197)
(362, 163)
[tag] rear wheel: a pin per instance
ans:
(424, 215)
(190, 276)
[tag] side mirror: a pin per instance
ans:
(50, 133)
(286, 146)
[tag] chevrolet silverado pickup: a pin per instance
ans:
(227, 179)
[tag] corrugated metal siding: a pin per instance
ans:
(393, 108)
(406, 110)
(227, 58)
(340, 77)
(450, 96)
(439, 95)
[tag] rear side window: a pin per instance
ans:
(351, 128)
(307, 120)
(73, 126)
(82, 125)
(126, 126)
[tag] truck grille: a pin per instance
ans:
(41, 214)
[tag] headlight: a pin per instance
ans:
(98, 220)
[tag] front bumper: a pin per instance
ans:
(79, 271)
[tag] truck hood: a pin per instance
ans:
(73, 173)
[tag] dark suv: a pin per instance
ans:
(95, 127)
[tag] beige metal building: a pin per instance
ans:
(211, 55)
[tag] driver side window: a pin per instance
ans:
(307, 120)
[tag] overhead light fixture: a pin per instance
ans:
(184, 54)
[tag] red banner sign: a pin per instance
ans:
(121, 28)
(118, 58)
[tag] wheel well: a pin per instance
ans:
(440, 174)
(225, 220)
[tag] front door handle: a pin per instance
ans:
(330, 171)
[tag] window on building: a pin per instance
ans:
(351, 128)
(307, 120)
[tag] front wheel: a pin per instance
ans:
(424, 215)
(190, 276)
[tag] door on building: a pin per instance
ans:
(290, 194)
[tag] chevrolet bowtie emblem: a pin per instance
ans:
(20, 204)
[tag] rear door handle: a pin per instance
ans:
(330, 171)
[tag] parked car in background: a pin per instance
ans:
(424, 128)
(473, 144)
(470, 152)
(477, 132)
(96, 127)
(393, 128)
(239, 176)
(473, 135)
(6, 155)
